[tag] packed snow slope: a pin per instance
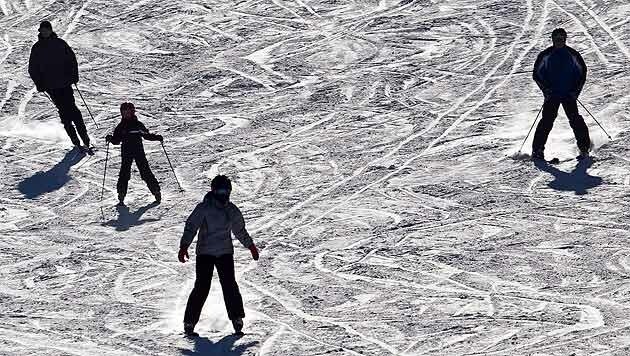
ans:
(370, 146)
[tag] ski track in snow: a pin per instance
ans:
(369, 143)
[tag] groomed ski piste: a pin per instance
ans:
(371, 147)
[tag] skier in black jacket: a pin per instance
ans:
(560, 73)
(130, 133)
(53, 68)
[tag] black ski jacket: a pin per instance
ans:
(52, 64)
(130, 133)
(566, 77)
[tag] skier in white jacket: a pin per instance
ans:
(213, 221)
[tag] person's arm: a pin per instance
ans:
(116, 138)
(537, 73)
(190, 230)
(72, 63)
(240, 231)
(33, 68)
(147, 135)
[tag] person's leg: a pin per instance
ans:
(146, 174)
(549, 114)
(77, 118)
(580, 130)
(199, 294)
(123, 177)
(60, 99)
(231, 294)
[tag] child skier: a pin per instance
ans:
(130, 132)
(215, 218)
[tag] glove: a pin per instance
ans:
(574, 95)
(182, 255)
(159, 138)
(254, 252)
(39, 88)
(108, 138)
(547, 93)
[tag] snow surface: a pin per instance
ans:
(370, 144)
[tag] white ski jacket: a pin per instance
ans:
(215, 224)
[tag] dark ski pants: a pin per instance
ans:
(231, 295)
(145, 173)
(70, 115)
(549, 114)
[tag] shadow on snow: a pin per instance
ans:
(126, 219)
(52, 179)
(223, 347)
(578, 180)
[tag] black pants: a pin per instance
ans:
(549, 114)
(231, 295)
(145, 173)
(63, 98)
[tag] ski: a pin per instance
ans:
(86, 150)
(190, 335)
(552, 161)
(89, 150)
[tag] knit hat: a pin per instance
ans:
(126, 106)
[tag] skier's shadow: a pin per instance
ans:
(223, 347)
(578, 180)
(126, 219)
(52, 179)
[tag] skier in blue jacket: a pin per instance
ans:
(560, 73)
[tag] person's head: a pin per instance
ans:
(45, 29)
(127, 111)
(221, 187)
(559, 37)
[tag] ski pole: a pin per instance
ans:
(105, 171)
(610, 138)
(169, 163)
(86, 106)
(530, 129)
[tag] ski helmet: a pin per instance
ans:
(221, 188)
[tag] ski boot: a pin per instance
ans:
(238, 326)
(584, 154)
(121, 200)
(189, 330)
(538, 155)
(158, 196)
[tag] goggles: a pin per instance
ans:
(222, 191)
